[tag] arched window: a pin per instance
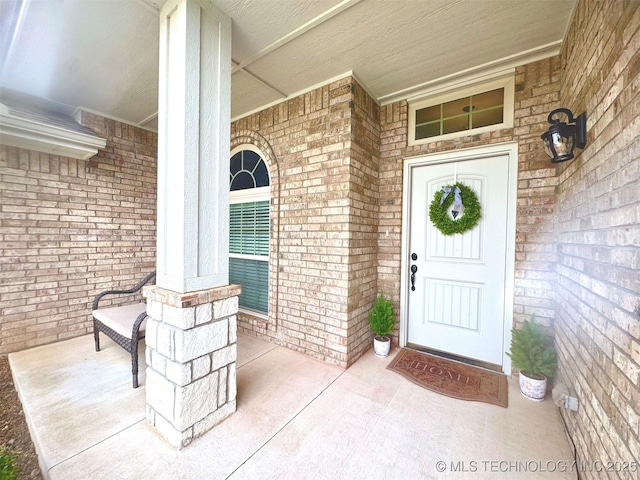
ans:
(249, 227)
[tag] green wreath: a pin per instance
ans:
(470, 215)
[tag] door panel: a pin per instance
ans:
(458, 303)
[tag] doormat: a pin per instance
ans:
(451, 378)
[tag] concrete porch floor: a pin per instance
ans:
(297, 418)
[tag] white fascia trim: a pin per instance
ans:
(242, 71)
(294, 95)
(41, 137)
(144, 121)
(477, 74)
(76, 115)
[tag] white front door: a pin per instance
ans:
(458, 305)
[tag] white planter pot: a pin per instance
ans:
(381, 346)
(533, 388)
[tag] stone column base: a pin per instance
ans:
(191, 360)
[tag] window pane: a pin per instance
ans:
(236, 163)
(253, 276)
(249, 160)
(456, 107)
(428, 130)
(242, 181)
(475, 111)
(248, 170)
(488, 99)
(457, 124)
(261, 175)
(489, 117)
(428, 114)
(249, 231)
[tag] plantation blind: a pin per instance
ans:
(253, 275)
(249, 236)
(249, 228)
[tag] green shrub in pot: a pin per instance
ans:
(531, 350)
(533, 354)
(381, 323)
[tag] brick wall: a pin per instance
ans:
(69, 229)
(363, 220)
(537, 94)
(393, 143)
(324, 164)
(598, 234)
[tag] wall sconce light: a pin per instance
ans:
(562, 138)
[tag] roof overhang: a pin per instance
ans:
(32, 134)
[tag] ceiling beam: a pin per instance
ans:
(262, 82)
(292, 35)
(304, 28)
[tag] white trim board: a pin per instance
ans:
(43, 137)
(473, 75)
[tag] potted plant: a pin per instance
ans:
(532, 353)
(381, 322)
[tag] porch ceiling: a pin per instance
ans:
(103, 55)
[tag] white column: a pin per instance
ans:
(191, 332)
(193, 146)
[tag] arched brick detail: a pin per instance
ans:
(248, 322)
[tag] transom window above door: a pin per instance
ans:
(465, 113)
(468, 111)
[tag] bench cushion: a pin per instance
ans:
(121, 319)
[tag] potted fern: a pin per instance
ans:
(381, 322)
(532, 353)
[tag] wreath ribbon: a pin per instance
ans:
(457, 200)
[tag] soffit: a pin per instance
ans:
(104, 55)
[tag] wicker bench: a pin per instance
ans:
(125, 325)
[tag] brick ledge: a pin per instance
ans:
(190, 299)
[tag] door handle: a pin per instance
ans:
(414, 269)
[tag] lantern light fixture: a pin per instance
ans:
(562, 138)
